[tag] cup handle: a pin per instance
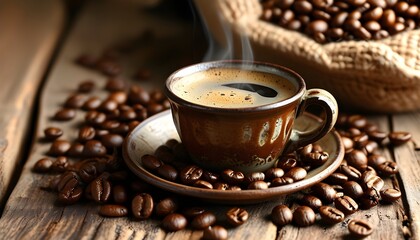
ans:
(328, 104)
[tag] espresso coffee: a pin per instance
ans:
(233, 88)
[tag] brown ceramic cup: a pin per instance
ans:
(239, 115)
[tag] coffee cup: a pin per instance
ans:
(239, 115)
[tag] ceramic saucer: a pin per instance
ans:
(156, 130)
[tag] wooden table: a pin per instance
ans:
(31, 92)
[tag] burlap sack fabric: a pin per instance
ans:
(376, 76)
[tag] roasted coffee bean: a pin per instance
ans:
(109, 68)
(236, 216)
(352, 173)
(370, 199)
(69, 189)
(370, 147)
(220, 186)
(190, 174)
(86, 86)
(203, 184)
(43, 165)
(100, 189)
(296, 173)
(348, 144)
(387, 168)
(316, 159)
(375, 160)
(75, 101)
(60, 164)
(119, 193)
(86, 60)
(150, 162)
(304, 216)
(167, 206)
(52, 133)
(203, 220)
(92, 103)
(253, 177)
(112, 140)
(215, 233)
(377, 136)
(324, 191)
(89, 171)
(113, 210)
(164, 154)
(281, 215)
(336, 178)
(153, 108)
(142, 206)
(115, 84)
(210, 176)
(86, 133)
(273, 173)
(258, 185)
(331, 215)
(346, 204)
(311, 201)
(286, 163)
(373, 182)
(137, 94)
(232, 177)
(59, 147)
(353, 189)
(192, 212)
(108, 105)
(360, 228)
(174, 222)
(357, 159)
(234, 188)
(65, 114)
(399, 138)
(276, 182)
(167, 172)
(94, 148)
(95, 118)
(390, 195)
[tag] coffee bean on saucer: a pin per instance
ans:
(304, 216)
(215, 232)
(174, 222)
(281, 215)
(296, 173)
(259, 185)
(113, 210)
(167, 172)
(281, 181)
(190, 174)
(360, 228)
(253, 177)
(274, 172)
(150, 162)
(232, 177)
(203, 184)
(203, 220)
(237, 216)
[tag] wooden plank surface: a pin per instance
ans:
(32, 213)
(28, 36)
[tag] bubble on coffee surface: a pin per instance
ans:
(233, 88)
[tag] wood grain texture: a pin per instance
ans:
(32, 213)
(29, 33)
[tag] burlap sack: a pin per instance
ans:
(376, 76)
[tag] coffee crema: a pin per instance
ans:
(233, 88)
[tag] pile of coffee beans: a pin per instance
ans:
(357, 184)
(171, 162)
(337, 20)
